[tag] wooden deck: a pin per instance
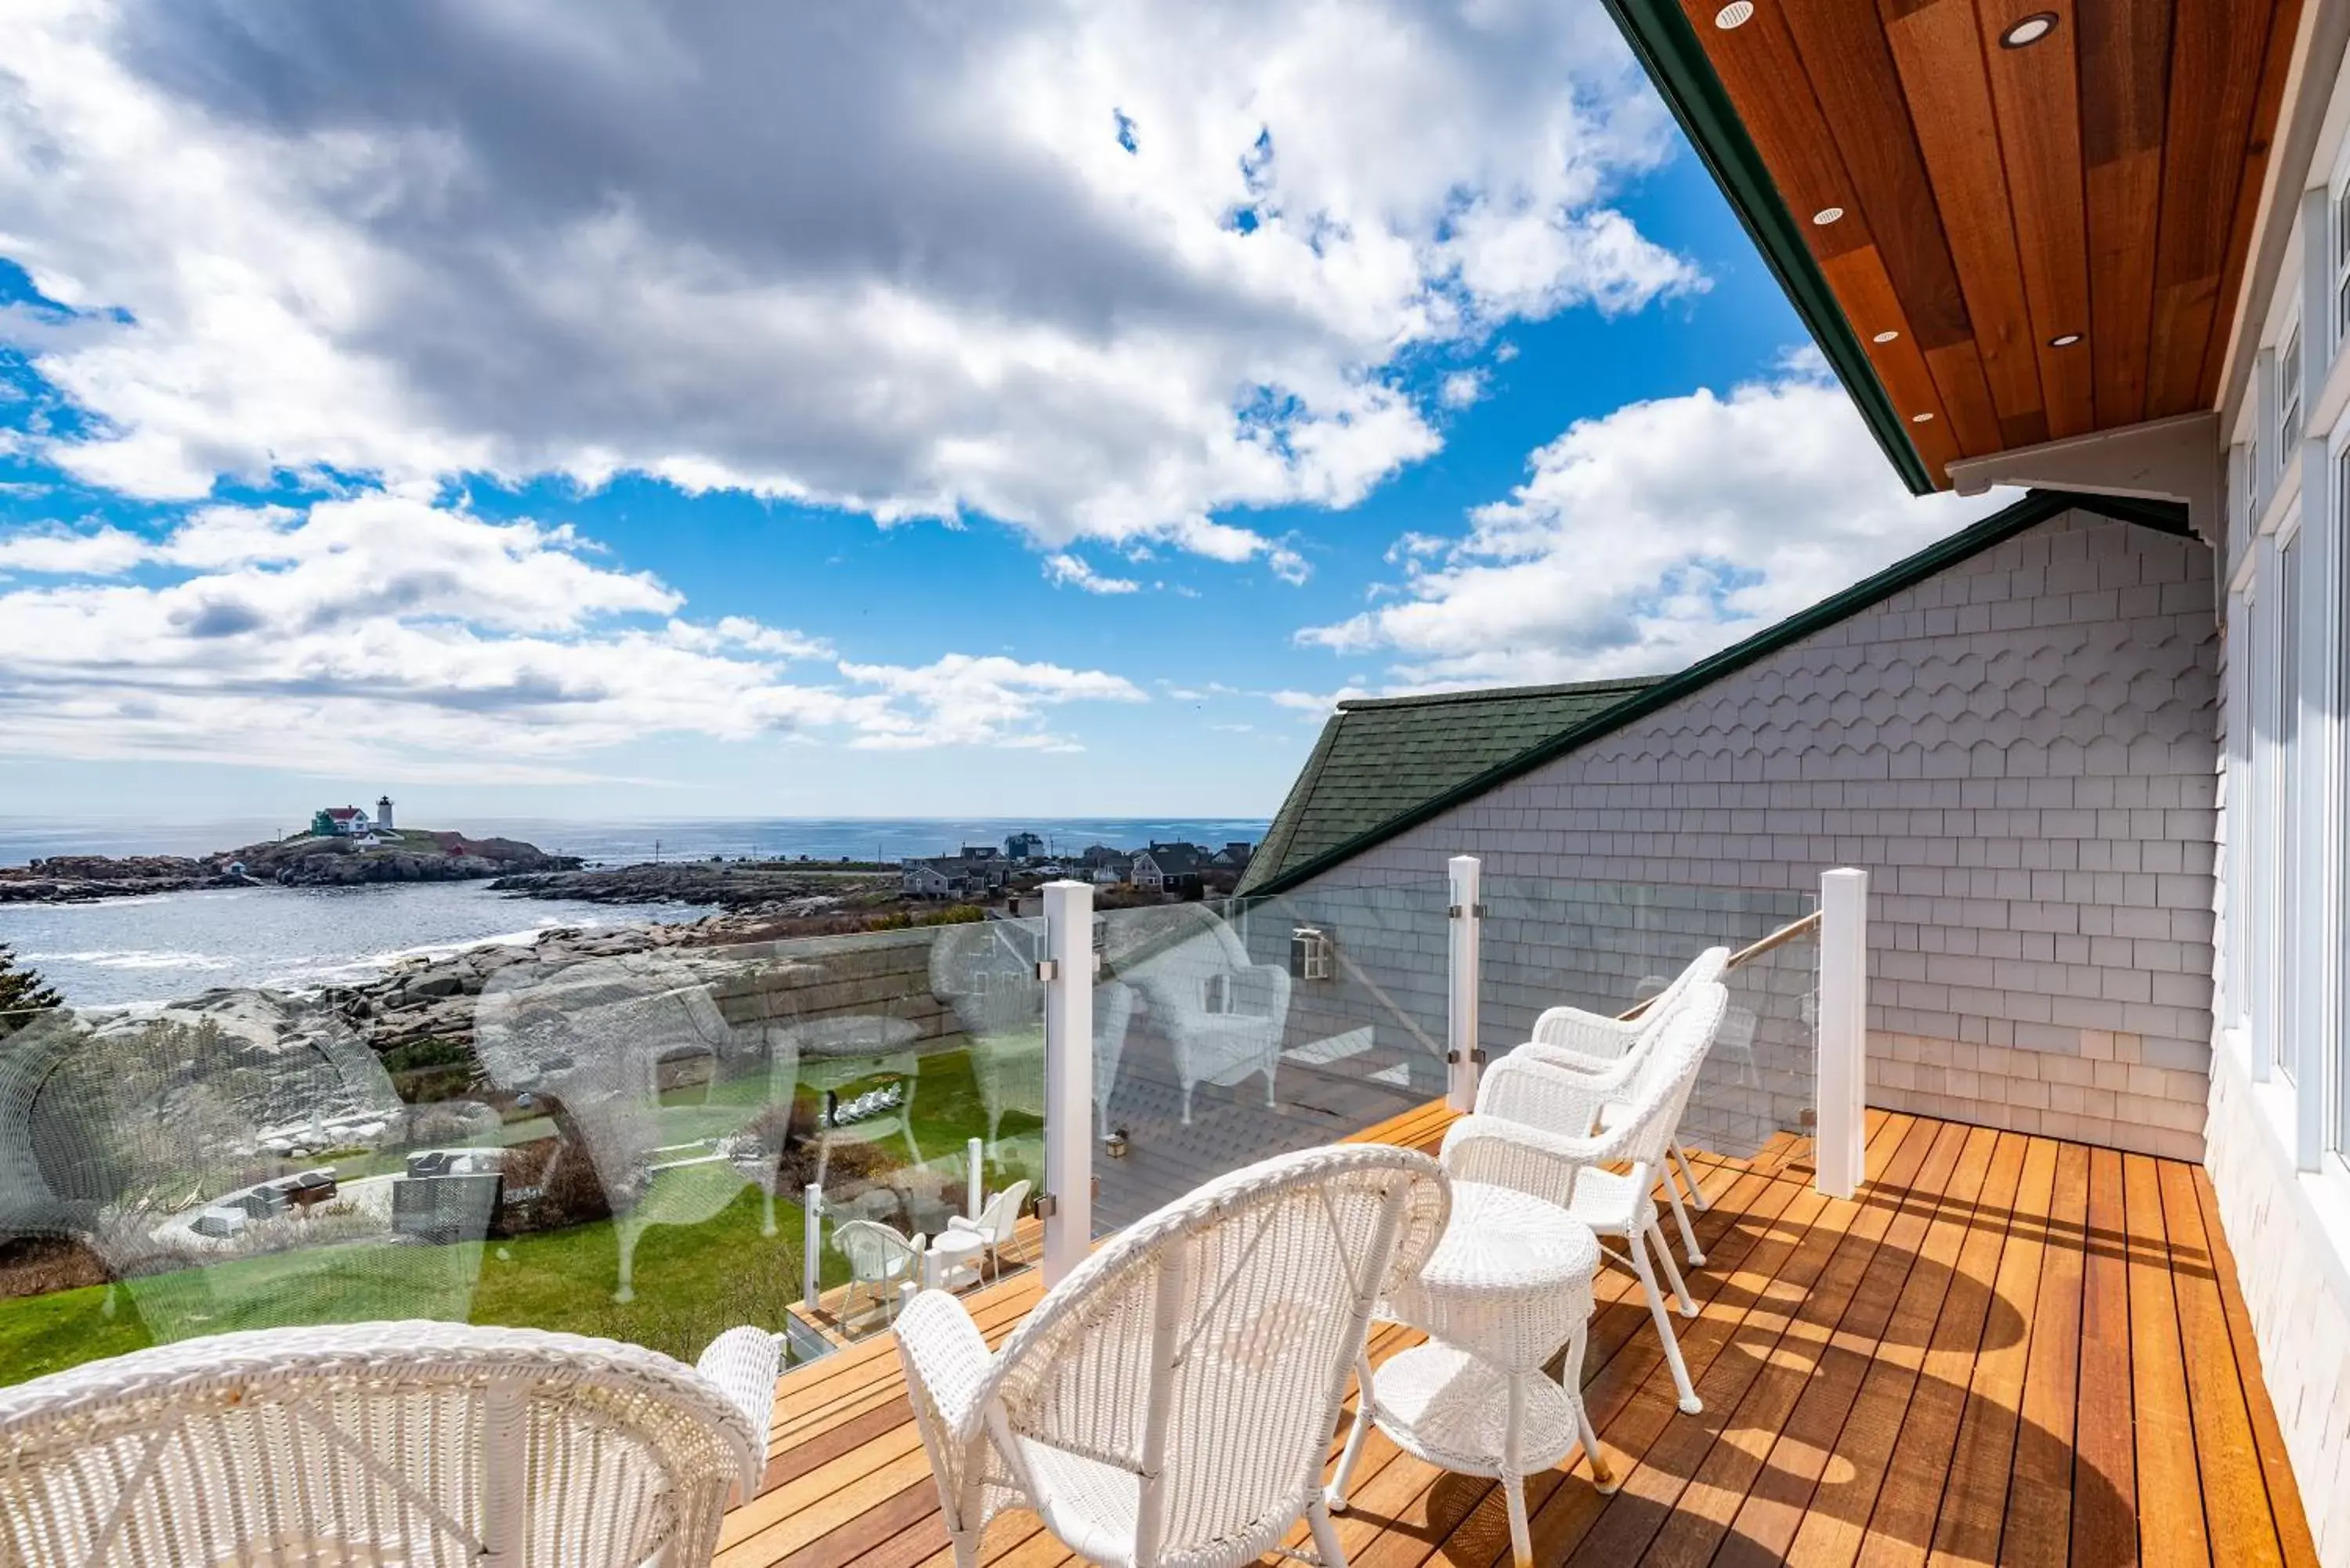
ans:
(2007, 1349)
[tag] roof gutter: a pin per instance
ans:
(1668, 49)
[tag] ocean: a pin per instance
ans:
(172, 945)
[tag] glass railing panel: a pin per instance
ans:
(1605, 947)
(1229, 1031)
(620, 1143)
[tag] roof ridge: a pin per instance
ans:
(1499, 693)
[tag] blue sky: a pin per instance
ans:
(303, 474)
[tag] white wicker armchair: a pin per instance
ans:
(1531, 1131)
(997, 1224)
(1605, 1048)
(1171, 1401)
(426, 1444)
(1223, 1013)
(880, 1258)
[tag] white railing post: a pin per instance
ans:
(1069, 971)
(975, 1190)
(811, 1241)
(1840, 1135)
(1462, 1057)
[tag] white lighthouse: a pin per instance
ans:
(383, 814)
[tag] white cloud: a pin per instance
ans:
(906, 267)
(1460, 388)
(1650, 537)
(1064, 570)
(384, 633)
(963, 699)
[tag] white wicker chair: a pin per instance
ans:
(879, 1258)
(1223, 1013)
(1532, 1131)
(1589, 1042)
(594, 1034)
(997, 1223)
(1171, 1401)
(427, 1444)
(987, 973)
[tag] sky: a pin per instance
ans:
(530, 406)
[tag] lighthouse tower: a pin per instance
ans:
(383, 812)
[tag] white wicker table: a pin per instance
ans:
(952, 1260)
(1508, 1285)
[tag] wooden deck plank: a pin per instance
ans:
(2171, 1527)
(1952, 1362)
(2276, 1468)
(1974, 1497)
(2105, 1466)
(2037, 1528)
(1836, 1523)
(1766, 1522)
(1901, 1531)
(2235, 1494)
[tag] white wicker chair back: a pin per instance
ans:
(1171, 1401)
(432, 1445)
(875, 1251)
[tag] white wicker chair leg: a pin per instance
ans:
(1335, 1494)
(1513, 1484)
(626, 1234)
(1689, 1248)
(1689, 1402)
(1689, 1171)
(1602, 1474)
(1326, 1536)
(1672, 1270)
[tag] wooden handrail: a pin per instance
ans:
(1778, 939)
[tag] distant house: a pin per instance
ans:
(1110, 870)
(974, 873)
(1170, 868)
(1233, 857)
(1023, 846)
(339, 822)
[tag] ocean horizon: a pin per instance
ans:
(165, 946)
(620, 840)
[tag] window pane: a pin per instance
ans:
(2289, 396)
(2286, 795)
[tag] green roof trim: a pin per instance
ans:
(1280, 854)
(1668, 47)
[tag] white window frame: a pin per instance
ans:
(2292, 374)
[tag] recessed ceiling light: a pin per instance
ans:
(1737, 14)
(1828, 215)
(2030, 30)
(1919, 418)
(1886, 336)
(2064, 340)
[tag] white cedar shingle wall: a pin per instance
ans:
(2021, 751)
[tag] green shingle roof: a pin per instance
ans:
(1380, 756)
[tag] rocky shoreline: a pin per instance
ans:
(303, 861)
(730, 885)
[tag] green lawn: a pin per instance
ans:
(692, 1280)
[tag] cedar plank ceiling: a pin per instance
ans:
(2101, 181)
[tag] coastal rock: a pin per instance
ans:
(766, 886)
(305, 860)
